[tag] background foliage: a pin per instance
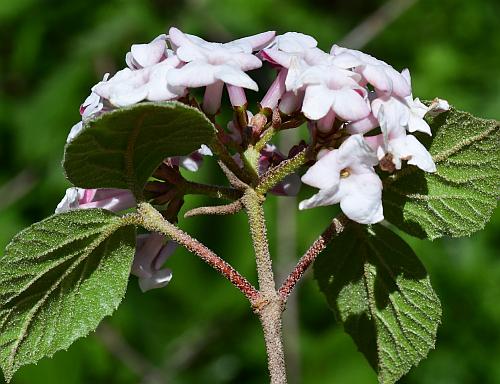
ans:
(199, 327)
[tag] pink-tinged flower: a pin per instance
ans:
(151, 252)
(406, 113)
(328, 88)
(193, 161)
(296, 52)
(212, 64)
(291, 102)
(129, 87)
(384, 78)
(146, 55)
(346, 176)
(394, 145)
(106, 198)
(92, 106)
(275, 91)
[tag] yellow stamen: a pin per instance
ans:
(345, 173)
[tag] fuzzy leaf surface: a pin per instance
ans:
(380, 292)
(459, 198)
(122, 148)
(58, 279)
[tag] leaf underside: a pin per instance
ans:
(381, 293)
(459, 198)
(122, 148)
(58, 279)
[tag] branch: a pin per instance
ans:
(232, 178)
(218, 192)
(221, 151)
(152, 220)
(276, 174)
(265, 138)
(226, 209)
(335, 228)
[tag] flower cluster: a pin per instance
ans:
(360, 112)
(349, 95)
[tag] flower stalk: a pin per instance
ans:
(270, 307)
(153, 221)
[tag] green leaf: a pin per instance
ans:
(58, 279)
(460, 197)
(122, 148)
(380, 292)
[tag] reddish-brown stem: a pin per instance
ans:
(152, 220)
(336, 227)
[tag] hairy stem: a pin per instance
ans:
(265, 138)
(270, 318)
(216, 191)
(278, 173)
(253, 206)
(335, 228)
(242, 173)
(152, 220)
(227, 209)
(270, 306)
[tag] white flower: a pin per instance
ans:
(150, 255)
(378, 73)
(330, 88)
(129, 87)
(346, 175)
(91, 107)
(296, 52)
(394, 145)
(146, 55)
(406, 113)
(209, 62)
(106, 198)
(193, 161)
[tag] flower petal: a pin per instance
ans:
(148, 54)
(412, 150)
(350, 105)
(258, 41)
(317, 101)
(325, 173)
(362, 198)
(158, 279)
(322, 198)
(194, 74)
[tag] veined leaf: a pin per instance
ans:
(122, 148)
(380, 292)
(58, 279)
(459, 198)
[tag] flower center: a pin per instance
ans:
(345, 173)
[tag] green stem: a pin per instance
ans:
(264, 139)
(276, 174)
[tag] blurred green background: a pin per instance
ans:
(199, 329)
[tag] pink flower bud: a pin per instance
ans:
(106, 198)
